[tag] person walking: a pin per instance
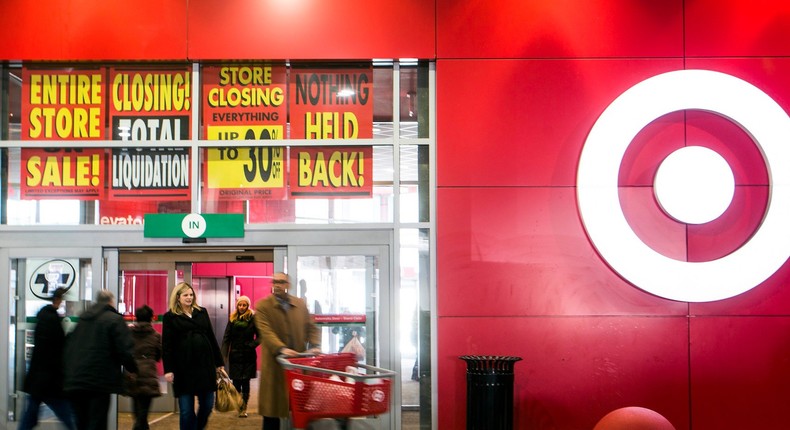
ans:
(238, 346)
(144, 386)
(191, 357)
(96, 351)
(285, 327)
(44, 379)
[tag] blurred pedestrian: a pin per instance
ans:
(144, 386)
(238, 346)
(191, 357)
(97, 351)
(44, 379)
(285, 327)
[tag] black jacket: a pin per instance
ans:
(96, 350)
(191, 352)
(238, 345)
(45, 377)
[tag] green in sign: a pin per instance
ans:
(193, 225)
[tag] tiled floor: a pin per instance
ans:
(230, 420)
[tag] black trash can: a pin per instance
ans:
(489, 392)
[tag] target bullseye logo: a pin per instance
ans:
(693, 196)
(297, 385)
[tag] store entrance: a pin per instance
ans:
(346, 286)
(218, 276)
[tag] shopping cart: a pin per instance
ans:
(334, 386)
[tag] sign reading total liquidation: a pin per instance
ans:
(599, 203)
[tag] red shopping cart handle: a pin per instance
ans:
(348, 359)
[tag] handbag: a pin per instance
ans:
(228, 399)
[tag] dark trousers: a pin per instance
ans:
(141, 405)
(61, 408)
(90, 409)
(242, 386)
(187, 418)
(271, 423)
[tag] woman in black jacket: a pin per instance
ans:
(144, 386)
(238, 345)
(191, 357)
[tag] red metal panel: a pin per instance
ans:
(737, 28)
(209, 270)
(523, 122)
(574, 371)
(559, 29)
(301, 29)
(249, 269)
(740, 372)
(522, 251)
(66, 30)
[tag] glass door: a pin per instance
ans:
(347, 288)
(34, 275)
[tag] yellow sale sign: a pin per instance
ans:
(245, 173)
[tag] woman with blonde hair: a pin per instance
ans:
(191, 357)
(238, 346)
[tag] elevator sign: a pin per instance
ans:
(193, 225)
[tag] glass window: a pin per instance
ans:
(325, 178)
(414, 183)
(413, 106)
(415, 317)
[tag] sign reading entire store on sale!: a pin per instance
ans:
(62, 104)
(331, 104)
(245, 102)
(62, 173)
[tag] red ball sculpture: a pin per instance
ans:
(633, 418)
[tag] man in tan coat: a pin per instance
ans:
(284, 327)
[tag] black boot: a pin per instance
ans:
(243, 406)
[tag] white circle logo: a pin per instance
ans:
(598, 198)
(193, 225)
(377, 396)
(297, 385)
(694, 185)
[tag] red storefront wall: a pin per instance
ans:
(519, 85)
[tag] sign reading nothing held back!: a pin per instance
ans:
(331, 103)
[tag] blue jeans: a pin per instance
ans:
(61, 408)
(187, 418)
